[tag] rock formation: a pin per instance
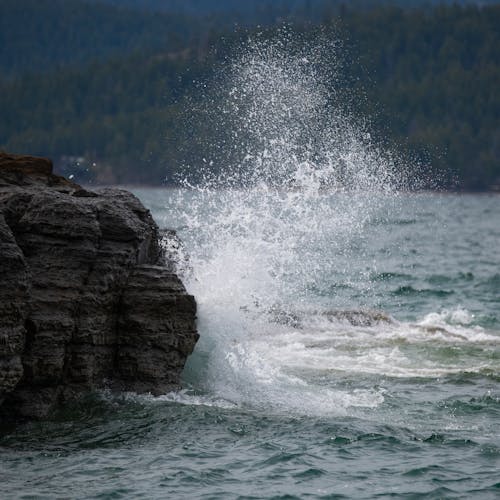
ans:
(86, 297)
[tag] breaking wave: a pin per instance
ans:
(274, 225)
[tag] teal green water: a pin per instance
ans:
(364, 363)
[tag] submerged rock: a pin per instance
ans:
(353, 317)
(360, 317)
(86, 297)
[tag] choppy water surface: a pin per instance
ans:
(350, 330)
(317, 397)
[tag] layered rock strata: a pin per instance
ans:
(87, 299)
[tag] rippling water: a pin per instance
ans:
(382, 379)
(350, 330)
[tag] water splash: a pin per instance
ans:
(298, 173)
(281, 209)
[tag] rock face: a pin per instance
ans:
(86, 297)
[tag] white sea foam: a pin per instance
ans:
(263, 233)
(185, 396)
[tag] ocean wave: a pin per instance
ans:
(183, 396)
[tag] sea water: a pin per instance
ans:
(379, 378)
(350, 327)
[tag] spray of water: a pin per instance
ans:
(292, 150)
(274, 219)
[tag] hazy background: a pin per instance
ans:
(116, 91)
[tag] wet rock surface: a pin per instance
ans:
(87, 299)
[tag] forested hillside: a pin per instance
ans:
(265, 11)
(436, 81)
(39, 35)
(112, 91)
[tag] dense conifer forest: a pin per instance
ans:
(108, 90)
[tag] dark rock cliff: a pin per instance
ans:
(86, 297)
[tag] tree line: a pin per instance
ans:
(118, 105)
